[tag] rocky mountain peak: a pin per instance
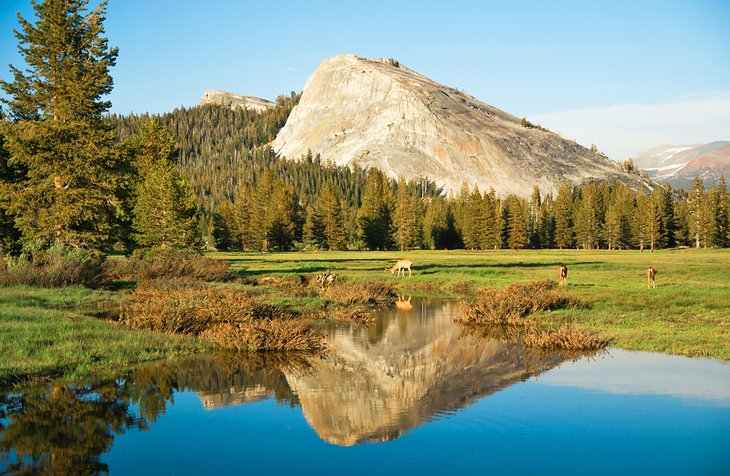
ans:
(379, 113)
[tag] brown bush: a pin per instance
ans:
(366, 293)
(462, 288)
(512, 304)
(57, 267)
(232, 319)
(505, 315)
(171, 265)
(564, 338)
(282, 334)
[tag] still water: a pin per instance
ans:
(408, 394)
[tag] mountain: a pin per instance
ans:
(378, 113)
(680, 164)
(213, 96)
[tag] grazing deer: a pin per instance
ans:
(403, 304)
(326, 279)
(563, 273)
(401, 265)
(650, 275)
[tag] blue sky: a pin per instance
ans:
(544, 60)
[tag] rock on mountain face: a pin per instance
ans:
(680, 164)
(213, 96)
(373, 112)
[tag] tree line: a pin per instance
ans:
(395, 215)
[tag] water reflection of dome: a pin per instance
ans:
(381, 381)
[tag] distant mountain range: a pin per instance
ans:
(678, 165)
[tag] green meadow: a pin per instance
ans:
(49, 333)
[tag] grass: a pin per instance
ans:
(45, 333)
(688, 313)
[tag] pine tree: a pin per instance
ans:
(9, 174)
(474, 221)
(698, 213)
(241, 219)
(546, 223)
(329, 211)
(652, 217)
(225, 232)
(374, 217)
(405, 221)
(493, 206)
(720, 228)
(638, 221)
(165, 209)
(588, 224)
(517, 220)
(533, 230)
(69, 194)
(564, 216)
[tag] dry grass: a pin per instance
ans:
(505, 314)
(231, 319)
(564, 338)
(57, 267)
(279, 335)
(171, 265)
(462, 288)
(509, 306)
(369, 293)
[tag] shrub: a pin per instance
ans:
(56, 267)
(564, 338)
(504, 314)
(171, 265)
(369, 293)
(292, 335)
(229, 318)
(512, 304)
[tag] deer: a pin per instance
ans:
(326, 279)
(650, 275)
(401, 265)
(563, 273)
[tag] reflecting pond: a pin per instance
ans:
(409, 393)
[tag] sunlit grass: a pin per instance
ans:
(44, 333)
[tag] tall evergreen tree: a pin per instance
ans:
(587, 219)
(564, 216)
(698, 219)
(517, 221)
(375, 213)
(533, 230)
(9, 174)
(69, 194)
(719, 200)
(327, 220)
(165, 209)
(405, 217)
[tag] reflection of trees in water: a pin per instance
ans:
(63, 429)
